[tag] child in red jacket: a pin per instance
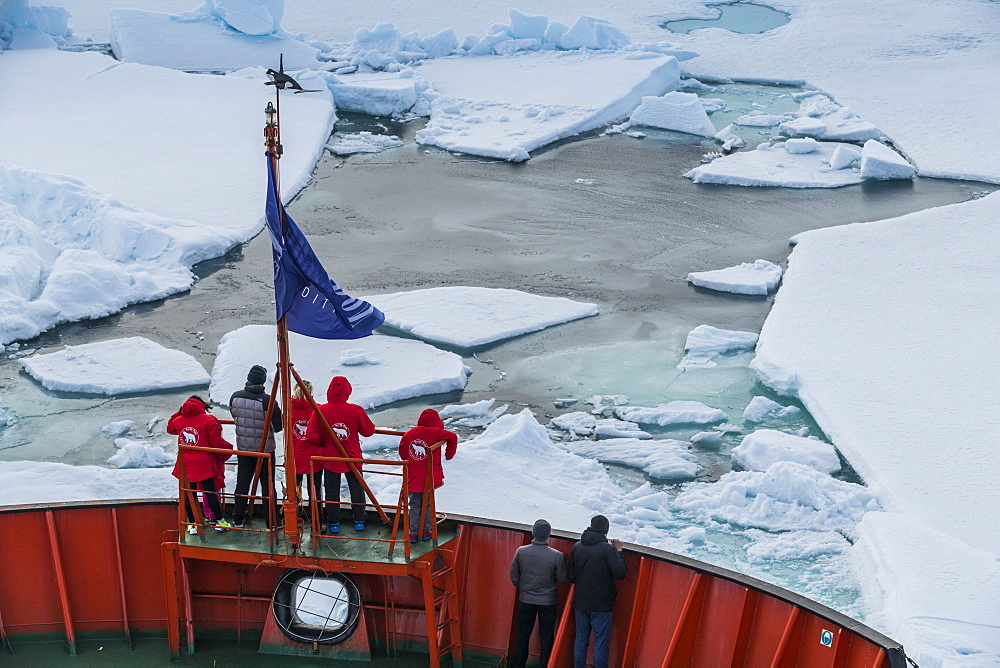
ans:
(194, 426)
(413, 447)
(302, 412)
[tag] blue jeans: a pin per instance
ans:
(600, 622)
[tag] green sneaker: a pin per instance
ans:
(223, 525)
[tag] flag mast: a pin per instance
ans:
(272, 140)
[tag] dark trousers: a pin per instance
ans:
(313, 486)
(331, 482)
(245, 467)
(415, 501)
(600, 623)
(207, 487)
(526, 613)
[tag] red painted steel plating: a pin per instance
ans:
(727, 619)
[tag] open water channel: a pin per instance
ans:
(602, 219)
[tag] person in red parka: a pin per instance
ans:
(414, 447)
(312, 471)
(194, 426)
(349, 422)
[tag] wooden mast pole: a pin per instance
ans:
(272, 136)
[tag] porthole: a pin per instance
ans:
(316, 607)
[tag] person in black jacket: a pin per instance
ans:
(535, 570)
(249, 409)
(594, 565)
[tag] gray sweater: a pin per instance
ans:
(535, 570)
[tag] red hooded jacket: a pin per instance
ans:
(413, 448)
(194, 426)
(349, 421)
(302, 412)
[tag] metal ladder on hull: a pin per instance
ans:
(441, 605)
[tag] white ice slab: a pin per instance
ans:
(749, 278)
(117, 366)
(375, 93)
(406, 368)
(612, 428)
(663, 458)
(47, 482)
(776, 165)
(787, 497)
(673, 413)
(577, 422)
(762, 408)
(467, 317)
(794, 545)
(678, 111)
(874, 325)
(759, 450)
(165, 40)
(507, 107)
(139, 455)
(844, 156)
(705, 342)
(878, 161)
(475, 415)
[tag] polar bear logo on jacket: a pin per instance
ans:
(300, 429)
(341, 430)
(418, 449)
(189, 435)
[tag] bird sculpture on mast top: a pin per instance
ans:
(282, 81)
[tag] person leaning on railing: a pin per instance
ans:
(415, 447)
(249, 409)
(195, 427)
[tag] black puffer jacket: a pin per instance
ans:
(249, 408)
(594, 565)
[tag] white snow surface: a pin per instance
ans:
(749, 278)
(666, 459)
(406, 368)
(705, 342)
(90, 223)
(777, 165)
(674, 412)
(683, 112)
(506, 107)
(762, 408)
(363, 142)
(874, 324)
(759, 450)
(113, 367)
(139, 455)
(48, 482)
(201, 43)
(467, 317)
(930, 58)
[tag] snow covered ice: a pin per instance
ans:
(406, 368)
(468, 317)
(762, 408)
(789, 164)
(672, 413)
(662, 458)
(705, 342)
(749, 278)
(110, 367)
(363, 142)
(678, 111)
(759, 450)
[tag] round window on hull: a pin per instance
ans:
(316, 607)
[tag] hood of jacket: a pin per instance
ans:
(430, 418)
(256, 389)
(591, 537)
(299, 404)
(339, 391)
(193, 407)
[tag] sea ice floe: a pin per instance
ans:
(542, 97)
(662, 458)
(729, 139)
(793, 545)
(578, 423)
(467, 317)
(761, 408)
(375, 93)
(407, 368)
(707, 439)
(139, 455)
(705, 342)
(612, 428)
(48, 482)
(199, 42)
(878, 161)
(822, 118)
(673, 413)
(363, 142)
(844, 155)
(117, 428)
(788, 496)
(778, 165)
(116, 366)
(678, 111)
(749, 278)
(759, 450)
(475, 415)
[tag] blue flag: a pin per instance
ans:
(303, 292)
